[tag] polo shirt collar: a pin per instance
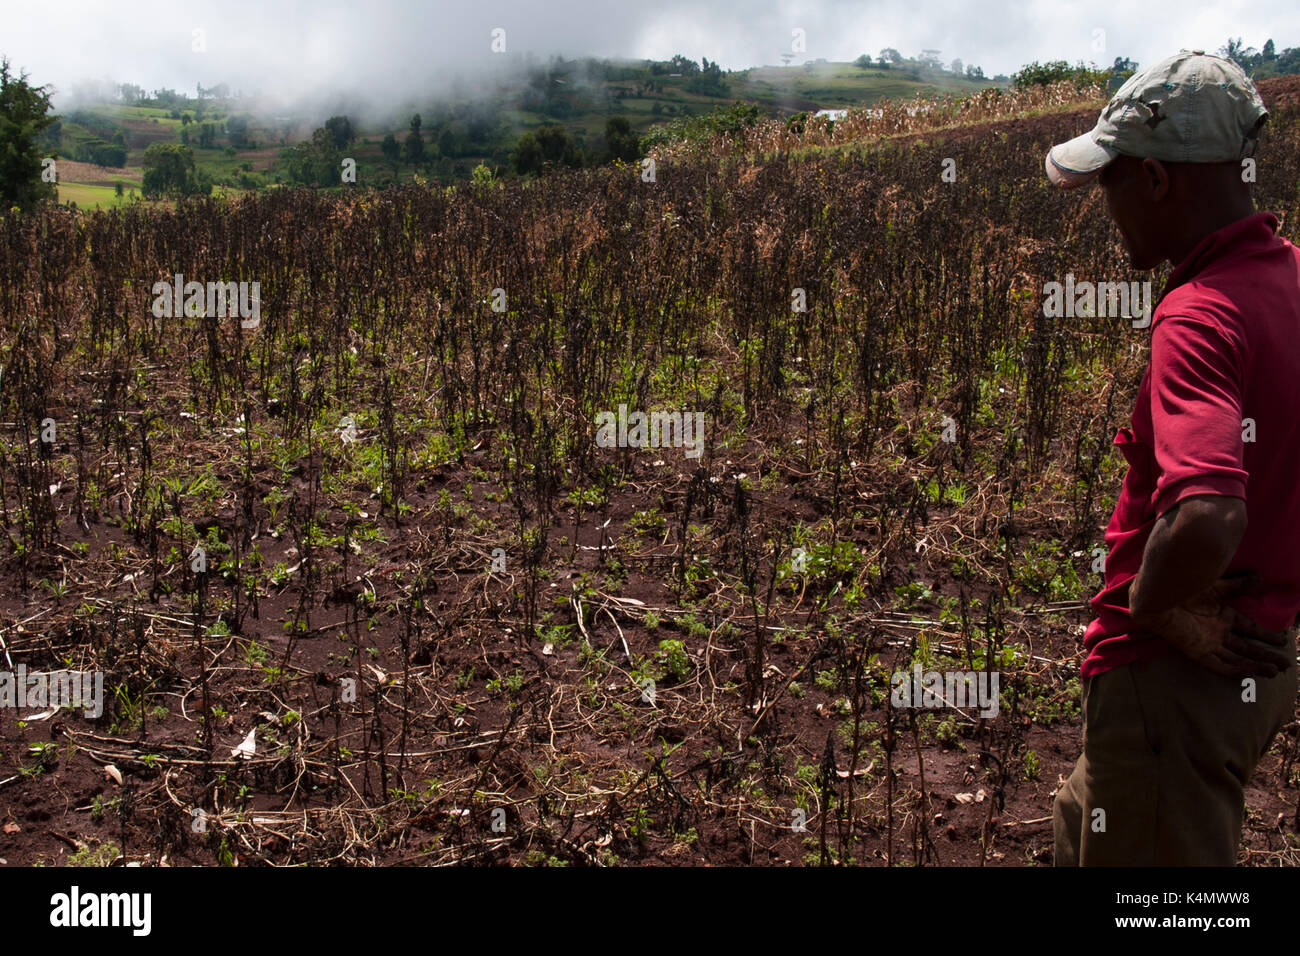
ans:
(1259, 227)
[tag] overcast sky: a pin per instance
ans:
(400, 48)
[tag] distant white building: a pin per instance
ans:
(832, 114)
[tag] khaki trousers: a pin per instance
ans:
(1168, 748)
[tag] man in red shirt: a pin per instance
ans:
(1190, 673)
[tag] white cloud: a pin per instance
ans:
(413, 48)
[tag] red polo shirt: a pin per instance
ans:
(1225, 346)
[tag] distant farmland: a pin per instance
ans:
(582, 109)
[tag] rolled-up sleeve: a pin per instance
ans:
(1196, 410)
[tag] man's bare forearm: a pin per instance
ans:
(1190, 546)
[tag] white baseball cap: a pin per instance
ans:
(1189, 108)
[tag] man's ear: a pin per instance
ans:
(1156, 176)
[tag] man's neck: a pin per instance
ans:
(1206, 225)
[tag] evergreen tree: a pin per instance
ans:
(23, 119)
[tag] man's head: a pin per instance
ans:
(1167, 150)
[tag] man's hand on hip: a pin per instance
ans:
(1219, 637)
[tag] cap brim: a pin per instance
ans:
(1077, 162)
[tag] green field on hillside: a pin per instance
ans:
(88, 196)
(842, 85)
